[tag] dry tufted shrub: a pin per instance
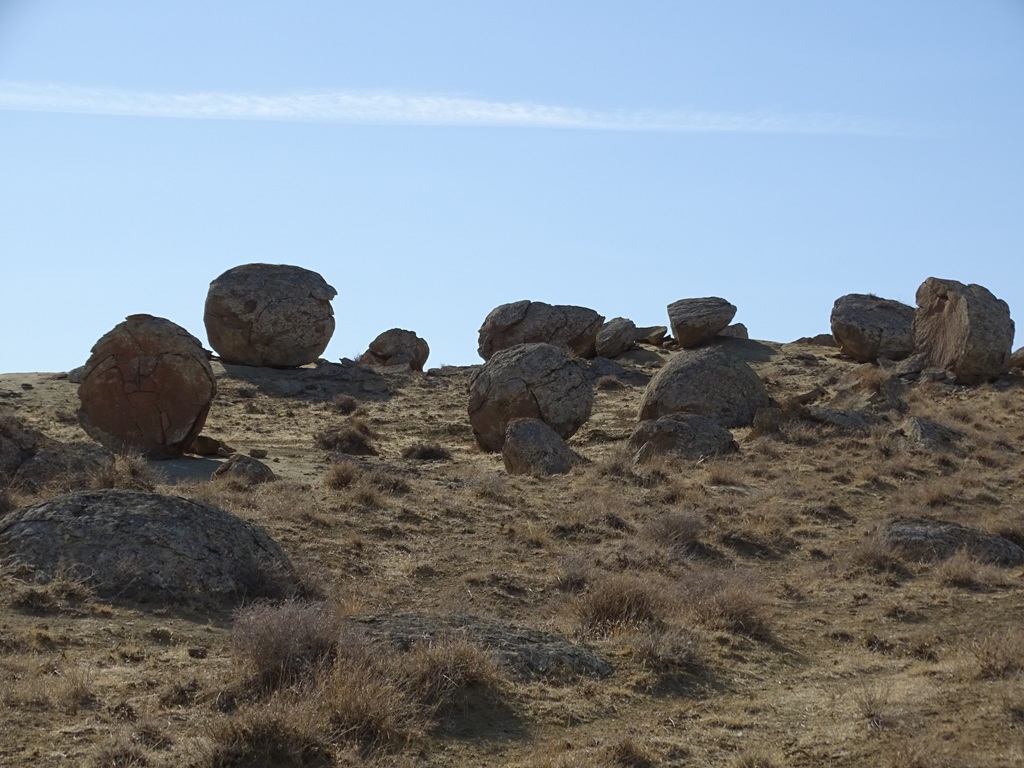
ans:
(278, 644)
(678, 530)
(352, 438)
(620, 600)
(729, 600)
(999, 654)
(126, 471)
(426, 452)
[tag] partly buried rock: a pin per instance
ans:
(204, 445)
(574, 329)
(933, 540)
(139, 545)
(922, 435)
(30, 460)
(697, 320)
(706, 382)
(274, 315)
(963, 329)
(868, 327)
(533, 448)
(532, 381)
(147, 388)
(244, 470)
(397, 347)
(686, 435)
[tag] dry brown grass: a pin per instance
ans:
(619, 600)
(999, 655)
(426, 452)
(352, 438)
(127, 471)
(727, 599)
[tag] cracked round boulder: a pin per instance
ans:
(574, 329)
(146, 388)
(145, 546)
(272, 315)
(535, 381)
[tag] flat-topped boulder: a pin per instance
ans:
(696, 320)
(573, 329)
(867, 327)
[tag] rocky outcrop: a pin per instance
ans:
(706, 382)
(529, 653)
(574, 329)
(963, 329)
(615, 337)
(868, 327)
(685, 435)
(137, 545)
(273, 315)
(922, 435)
(531, 381)
(933, 540)
(397, 348)
(147, 388)
(1017, 359)
(533, 448)
(696, 320)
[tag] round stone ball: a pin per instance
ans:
(272, 315)
(146, 388)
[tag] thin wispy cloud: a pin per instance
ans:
(389, 108)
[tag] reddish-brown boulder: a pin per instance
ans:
(963, 329)
(273, 315)
(147, 388)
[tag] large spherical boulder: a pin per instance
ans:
(963, 329)
(574, 329)
(146, 388)
(273, 315)
(141, 545)
(531, 381)
(695, 321)
(867, 327)
(706, 382)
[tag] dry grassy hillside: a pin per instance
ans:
(739, 611)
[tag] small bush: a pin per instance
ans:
(964, 572)
(426, 452)
(621, 600)
(677, 530)
(125, 471)
(266, 737)
(279, 644)
(628, 754)
(343, 474)
(1000, 655)
(440, 674)
(877, 555)
(727, 600)
(352, 438)
(345, 404)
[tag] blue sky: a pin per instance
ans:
(434, 160)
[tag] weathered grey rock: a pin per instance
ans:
(925, 436)
(820, 340)
(69, 464)
(615, 337)
(274, 315)
(933, 540)
(574, 329)
(686, 435)
(735, 331)
(697, 320)
(652, 334)
(147, 388)
(963, 329)
(845, 419)
(138, 545)
(602, 367)
(18, 442)
(533, 448)
(532, 381)
(529, 653)
(397, 347)
(868, 327)
(706, 382)
(1017, 359)
(244, 470)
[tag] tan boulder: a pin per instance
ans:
(529, 380)
(273, 315)
(397, 347)
(533, 448)
(147, 388)
(696, 320)
(867, 327)
(706, 382)
(963, 329)
(574, 329)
